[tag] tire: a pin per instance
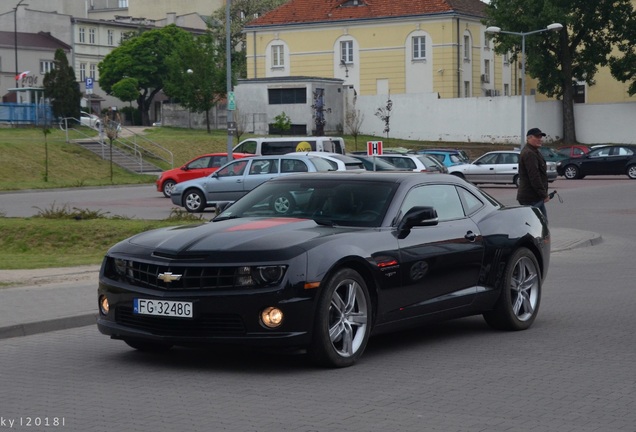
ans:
(631, 172)
(167, 187)
(147, 346)
(571, 172)
(194, 201)
(343, 320)
(283, 204)
(515, 180)
(520, 297)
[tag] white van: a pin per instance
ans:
(279, 145)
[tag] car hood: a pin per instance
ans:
(232, 238)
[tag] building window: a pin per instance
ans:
(82, 71)
(346, 51)
(91, 36)
(287, 96)
(579, 92)
(111, 37)
(123, 3)
(46, 66)
(506, 58)
(487, 41)
(506, 90)
(82, 35)
(466, 47)
(278, 56)
(486, 71)
(419, 47)
(93, 70)
(466, 88)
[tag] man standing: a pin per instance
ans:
(533, 175)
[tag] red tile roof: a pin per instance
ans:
(322, 11)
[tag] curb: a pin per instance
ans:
(45, 326)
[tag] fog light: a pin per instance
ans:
(272, 317)
(104, 307)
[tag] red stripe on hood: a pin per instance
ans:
(262, 224)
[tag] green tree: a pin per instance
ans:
(282, 123)
(62, 88)
(196, 75)
(241, 13)
(623, 66)
(143, 58)
(591, 30)
(126, 90)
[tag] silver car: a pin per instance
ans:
(496, 167)
(236, 178)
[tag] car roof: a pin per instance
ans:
(387, 176)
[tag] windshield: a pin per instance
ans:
(328, 202)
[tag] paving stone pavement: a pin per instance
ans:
(42, 300)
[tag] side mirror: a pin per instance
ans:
(416, 216)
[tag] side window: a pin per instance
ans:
(471, 202)
(246, 147)
(443, 198)
(233, 169)
(264, 166)
(218, 161)
(490, 159)
(199, 163)
(293, 165)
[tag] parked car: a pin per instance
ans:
(200, 166)
(365, 254)
(550, 155)
(605, 160)
(339, 162)
(573, 151)
(414, 162)
(446, 157)
(460, 153)
(273, 145)
(236, 178)
(500, 166)
(372, 163)
(89, 120)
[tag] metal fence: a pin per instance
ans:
(26, 114)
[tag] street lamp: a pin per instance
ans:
(15, 39)
(228, 60)
(551, 27)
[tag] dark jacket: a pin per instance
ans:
(533, 176)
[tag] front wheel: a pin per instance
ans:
(631, 172)
(343, 320)
(194, 201)
(518, 303)
(167, 187)
(571, 172)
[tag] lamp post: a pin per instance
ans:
(228, 60)
(551, 27)
(15, 39)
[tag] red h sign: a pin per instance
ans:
(374, 148)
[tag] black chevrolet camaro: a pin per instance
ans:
(323, 261)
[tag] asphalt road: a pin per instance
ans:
(572, 371)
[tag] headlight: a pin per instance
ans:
(260, 275)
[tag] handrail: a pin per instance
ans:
(135, 148)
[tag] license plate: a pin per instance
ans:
(166, 308)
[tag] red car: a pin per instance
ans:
(199, 167)
(574, 151)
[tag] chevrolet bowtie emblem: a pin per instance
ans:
(168, 277)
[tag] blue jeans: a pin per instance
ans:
(541, 206)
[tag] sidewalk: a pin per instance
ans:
(43, 300)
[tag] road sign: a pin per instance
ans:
(89, 85)
(231, 104)
(374, 148)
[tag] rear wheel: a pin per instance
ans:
(167, 187)
(194, 201)
(283, 204)
(571, 172)
(343, 320)
(631, 172)
(520, 296)
(515, 180)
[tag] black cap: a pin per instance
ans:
(535, 132)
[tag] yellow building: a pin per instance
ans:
(381, 46)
